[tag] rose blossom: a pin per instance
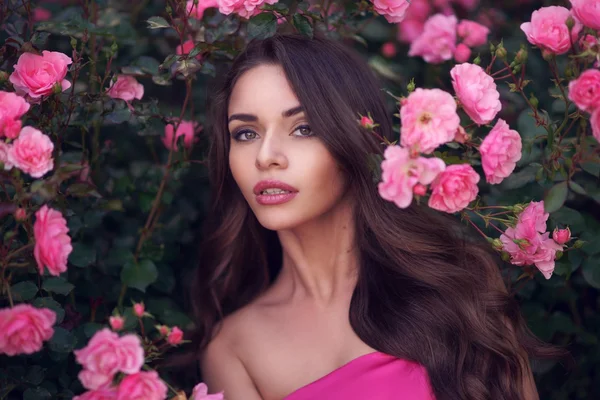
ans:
(585, 90)
(392, 10)
(389, 50)
(200, 392)
(187, 129)
(595, 121)
(429, 119)
(24, 328)
(533, 245)
(175, 336)
(500, 151)
(31, 152)
(462, 53)
(561, 236)
(36, 75)
(400, 174)
(40, 14)
(127, 88)
(142, 386)
(588, 42)
(438, 40)
(454, 188)
(4, 150)
(472, 33)
(105, 355)
(12, 108)
(477, 92)
(101, 394)
(548, 29)
(52, 242)
(139, 310)
(587, 12)
(116, 322)
(410, 29)
(198, 11)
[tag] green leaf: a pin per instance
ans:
(35, 375)
(157, 23)
(556, 197)
(139, 275)
(577, 188)
(82, 255)
(49, 302)
(570, 217)
(303, 25)
(591, 271)
(81, 189)
(262, 26)
(62, 341)
(23, 291)
(118, 116)
(38, 393)
(58, 285)
(592, 167)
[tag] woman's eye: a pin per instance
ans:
(245, 135)
(303, 131)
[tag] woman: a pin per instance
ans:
(313, 287)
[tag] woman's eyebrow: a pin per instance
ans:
(252, 117)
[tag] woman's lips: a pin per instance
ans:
(274, 198)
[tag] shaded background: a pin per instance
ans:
(127, 156)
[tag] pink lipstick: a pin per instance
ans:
(273, 192)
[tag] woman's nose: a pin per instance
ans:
(271, 154)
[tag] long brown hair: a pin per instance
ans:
(428, 289)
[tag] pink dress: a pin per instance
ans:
(373, 376)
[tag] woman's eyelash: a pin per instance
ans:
(237, 135)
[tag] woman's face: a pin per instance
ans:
(280, 164)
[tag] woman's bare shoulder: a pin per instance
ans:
(221, 362)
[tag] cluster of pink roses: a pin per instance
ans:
(429, 119)
(244, 8)
(585, 93)
(439, 40)
(529, 243)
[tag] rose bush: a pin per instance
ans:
(103, 182)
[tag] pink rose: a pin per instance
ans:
(472, 33)
(454, 188)
(127, 88)
(419, 9)
(548, 29)
(500, 151)
(438, 40)
(200, 392)
(429, 119)
(31, 152)
(410, 29)
(116, 322)
(477, 92)
(163, 330)
(462, 53)
(595, 121)
(198, 11)
(561, 236)
(142, 386)
(101, 394)
(139, 310)
(187, 129)
(400, 174)
(588, 42)
(24, 328)
(585, 90)
(105, 355)
(389, 50)
(175, 336)
(12, 108)
(392, 10)
(52, 242)
(20, 214)
(529, 243)
(41, 14)
(36, 75)
(4, 150)
(587, 12)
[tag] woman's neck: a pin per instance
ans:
(319, 258)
